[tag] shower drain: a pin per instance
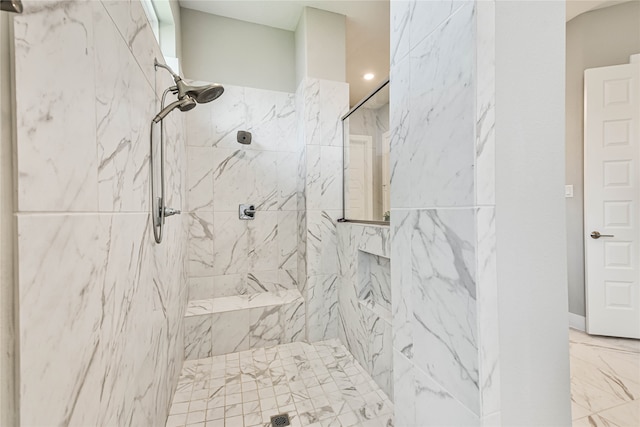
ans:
(280, 420)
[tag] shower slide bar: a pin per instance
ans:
(188, 97)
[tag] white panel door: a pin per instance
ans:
(360, 178)
(612, 186)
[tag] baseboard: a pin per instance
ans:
(577, 322)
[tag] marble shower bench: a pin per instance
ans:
(229, 324)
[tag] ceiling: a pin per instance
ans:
(367, 30)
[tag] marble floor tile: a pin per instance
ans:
(605, 381)
(318, 385)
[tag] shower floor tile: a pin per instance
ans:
(318, 385)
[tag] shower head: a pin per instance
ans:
(202, 94)
(184, 104)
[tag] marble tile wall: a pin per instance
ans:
(100, 304)
(364, 299)
(228, 256)
(444, 299)
(320, 106)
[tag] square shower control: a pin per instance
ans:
(247, 212)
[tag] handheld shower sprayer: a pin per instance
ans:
(188, 96)
(185, 104)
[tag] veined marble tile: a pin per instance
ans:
(199, 123)
(374, 240)
(271, 119)
(265, 327)
(230, 303)
(400, 11)
(201, 288)
(207, 287)
(620, 366)
(381, 354)
(322, 252)
(301, 178)
(313, 178)
(485, 103)
(287, 239)
(586, 373)
(427, 16)
(59, 312)
(578, 411)
(623, 415)
(56, 163)
(334, 103)
(444, 301)
(402, 149)
(244, 176)
(405, 390)
(131, 21)
(322, 307)
(310, 93)
(271, 281)
(122, 156)
(288, 279)
(353, 324)
(488, 322)
(287, 169)
(199, 307)
(402, 224)
(230, 332)
(591, 398)
(292, 316)
(381, 282)
(267, 299)
(437, 407)
(588, 344)
(201, 244)
(302, 251)
(230, 244)
(442, 126)
(228, 115)
(200, 178)
(263, 242)
(126, 294)
(365, 333)
(197, 337)
(331, 178)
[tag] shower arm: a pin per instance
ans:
(175, 76)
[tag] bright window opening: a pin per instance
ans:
(150, 11)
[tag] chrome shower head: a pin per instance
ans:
(202, 94)
(184, 104)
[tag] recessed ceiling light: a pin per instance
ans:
(368, 76)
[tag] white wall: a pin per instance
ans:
(235, 52)
(7, 326)
(594, 39)
(530, 213)
(321, 45)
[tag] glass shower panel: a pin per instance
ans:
(366, 158)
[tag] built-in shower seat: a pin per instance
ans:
(228, 324)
